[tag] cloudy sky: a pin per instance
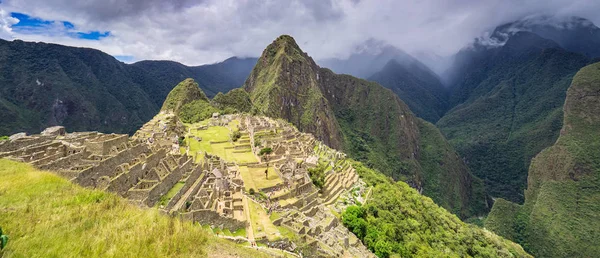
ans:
(205, 31)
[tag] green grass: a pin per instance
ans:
(47, 216)
(261, 224)
(164, 200)
(217, 134)
(255, 178)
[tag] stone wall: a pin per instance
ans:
(188, 184)
(209, 217)
(108, 166)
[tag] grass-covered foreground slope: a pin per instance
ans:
(397, 220)
(362, 118)
(561, 213)
(510, 109)
(47, 216)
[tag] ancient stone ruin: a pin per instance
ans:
(152, 169)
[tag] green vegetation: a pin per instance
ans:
(509, 108)
(47, 216)
(236, 99)
(184, 93)
(236, 135)
(197, 111)
(317, 175)
(560, 216)
(3, 240)
(3, 138)
(164, 200)
(446, 178)
(397, 220)
(215, 140)
(265, 151)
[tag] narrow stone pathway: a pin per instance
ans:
(249, 229)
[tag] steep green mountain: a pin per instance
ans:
(508, 108)
(184, 93)
(283, 84)
(365, 120)
(84, 89)
(561, 213)
(423, 93)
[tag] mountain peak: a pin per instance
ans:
(284, 46)
(184, 93)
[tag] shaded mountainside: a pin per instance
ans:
(362, 118)
(508, 108)
(85, 89)
(415, 84)
(561, 213)
(423, 93)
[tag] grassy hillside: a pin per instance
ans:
(47, 216)
(561, 213)
(511, 110)
(397, 220)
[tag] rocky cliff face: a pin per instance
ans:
(560, 215)
(364, 119)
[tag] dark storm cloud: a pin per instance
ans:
(196, 32)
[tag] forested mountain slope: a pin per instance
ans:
(85, 89)
(561, 213)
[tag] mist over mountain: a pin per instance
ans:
(370, 57)
(571, 33)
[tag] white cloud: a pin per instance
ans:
(194, 32)
(6, 21)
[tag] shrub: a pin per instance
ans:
(236, 135)
(251, 191)
(3, 138)
(317, 175)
